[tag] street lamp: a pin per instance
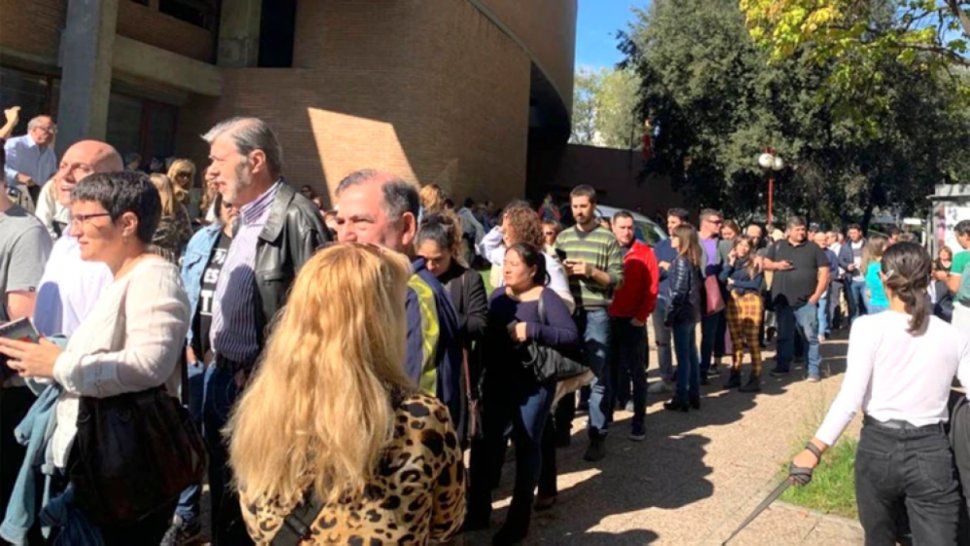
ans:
(771, 163)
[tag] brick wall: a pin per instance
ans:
(432, 91)
(548, 29)
(32, 27)
(616, 175)
(147, 25)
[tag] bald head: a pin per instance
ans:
(82, 160)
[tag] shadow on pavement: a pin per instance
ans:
(666, 470)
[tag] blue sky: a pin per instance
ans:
(596, 28)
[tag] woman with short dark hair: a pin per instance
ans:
(133, 337)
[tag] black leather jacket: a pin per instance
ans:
(685, 293)
(289, 238)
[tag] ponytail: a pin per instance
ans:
(906, 268)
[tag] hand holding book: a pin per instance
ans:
(25, 351)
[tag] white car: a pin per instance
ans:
(647, 231)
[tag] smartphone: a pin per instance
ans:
(22, 330)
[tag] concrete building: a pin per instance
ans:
(456, 92)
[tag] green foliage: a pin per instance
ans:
(605, 108)
(851, 148)
(832, 489)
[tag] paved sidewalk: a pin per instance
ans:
(697, 475)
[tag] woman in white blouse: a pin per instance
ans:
(132, 339)
(901, 364)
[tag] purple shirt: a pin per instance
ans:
(710, 252)
(234, 332)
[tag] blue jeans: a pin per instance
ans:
(629, 356)
(595, 327)
(823, 314)
(712, 339)
(510, 399)
(856, 298)
(688, 365)
(801, 321)
(662, 333)
(220, 396)
(188, 505)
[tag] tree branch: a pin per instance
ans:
(954, 6)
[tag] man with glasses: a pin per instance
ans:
(713, 326)
(31, 160)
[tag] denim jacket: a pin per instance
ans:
(196, 257)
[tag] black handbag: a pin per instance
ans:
(133, 452)
(546, 363)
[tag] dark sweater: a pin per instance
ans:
(558, 330)
(743, 281)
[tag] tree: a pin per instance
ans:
(585, 86)
(851, 151)
(605, 109)
(856, 37)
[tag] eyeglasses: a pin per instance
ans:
(79, 219)
(715, 221)
(50, 130)
(181, 174)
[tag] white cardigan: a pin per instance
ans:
(131, 341)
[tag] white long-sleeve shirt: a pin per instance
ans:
(895, 375)
(131, 341)
(51, 212)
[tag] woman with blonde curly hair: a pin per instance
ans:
(182, 175)
(349, 434)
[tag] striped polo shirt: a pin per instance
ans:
(599, 248)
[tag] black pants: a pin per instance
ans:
(913, 468)
(960, 440)
(15, 402)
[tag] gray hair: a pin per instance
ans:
(250, 134)
(399, 196)
(36, 120)
(795, 221)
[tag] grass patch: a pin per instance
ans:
(832, 489)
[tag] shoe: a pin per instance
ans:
(821, 338)
(676, 405)
(814, 378)
(695, 402)
(596, 450)
(509, 535)
(734, 381)
(753, 385)
(544, 503)
(181, 533)
(660, 387)
(779, 373)
(770, 333)
(628, 406)
(637, 433)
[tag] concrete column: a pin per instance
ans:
(239, 33)
(85, 59)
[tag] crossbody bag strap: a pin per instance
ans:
(296, 527)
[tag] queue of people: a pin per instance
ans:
(326, 380)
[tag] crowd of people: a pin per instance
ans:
(333, 366)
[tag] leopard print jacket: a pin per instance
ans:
(417, 496)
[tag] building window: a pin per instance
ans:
(141, 126)
(277, 26)
(35, 94)
(201, 13)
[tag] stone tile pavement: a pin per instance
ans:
(697, 475)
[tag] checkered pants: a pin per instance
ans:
(744, 314)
